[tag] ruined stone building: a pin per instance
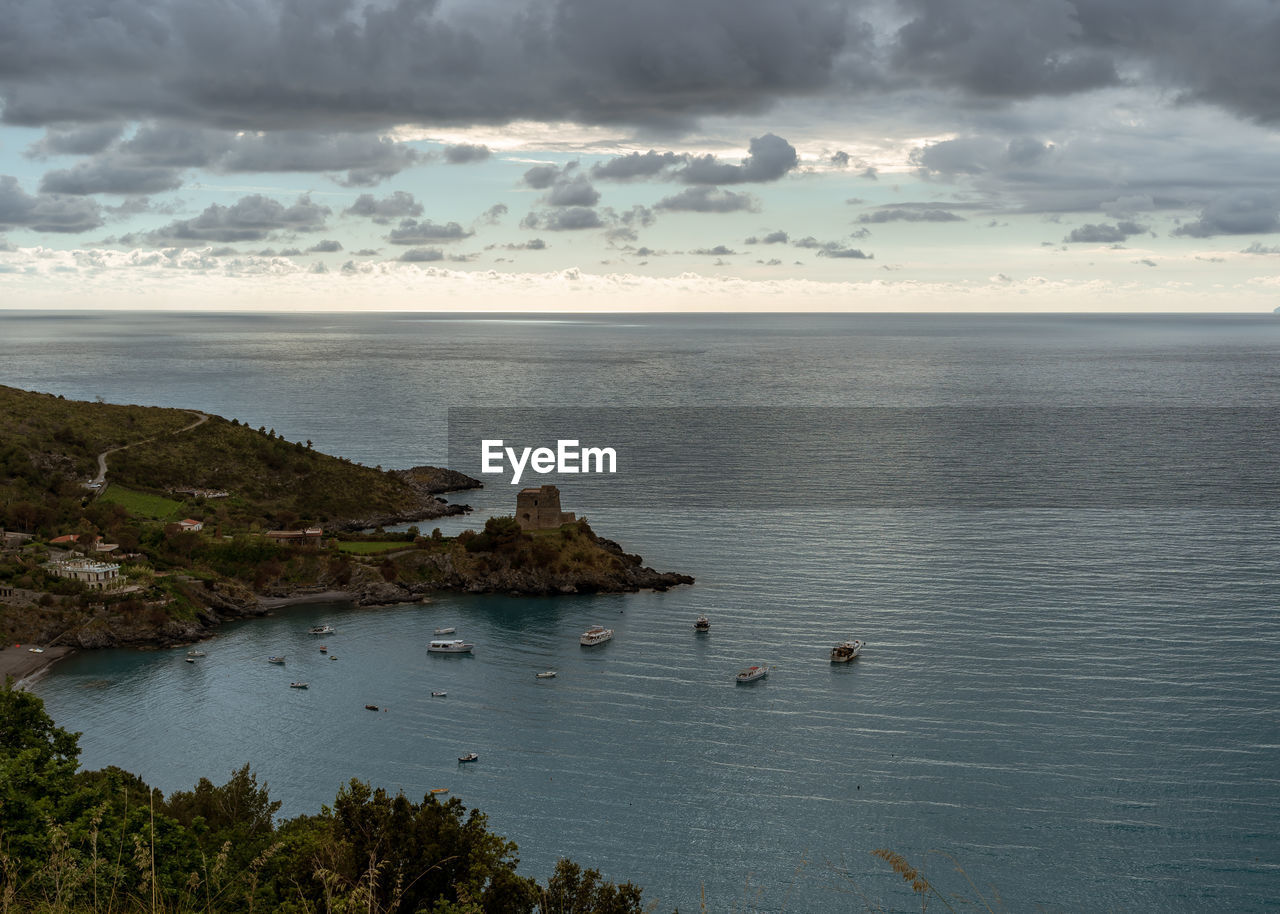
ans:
(539, 509)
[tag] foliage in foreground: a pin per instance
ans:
(74, 841)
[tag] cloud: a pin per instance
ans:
(709, 200)
(251, 218)
(421, 255)
(1104, 233)
(540, 177)
(568, 219)
(79, 141)
(493, 215)
(637, 165)
(718, 251)
(1259, 248)
(328, 246)
(462, 153)
(533, 244)
(905, 214)
(769, 159)
(411, 231)
(832, 249)
(397, 205)
(45, 212)
(575, 191)
(778, 237)
(840, 159)
(367, 158)
(111, 174)
(1235, 214)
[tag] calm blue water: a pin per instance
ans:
(1078, 702)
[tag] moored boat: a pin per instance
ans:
(195, 652)
(446, 631)
(371, 707)
(702, 624)
(191, 660)
(323, 649)
(549, 674)
(596, 634)
(438, 790)
(439, 694)
(846, 651)
(320, 630)
(279, 659)
(469, 757)
(297, 685)
(752, 673)
(449, 646)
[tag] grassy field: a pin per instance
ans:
(373, 548)
(140, 504)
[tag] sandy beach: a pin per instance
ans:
(22, 664)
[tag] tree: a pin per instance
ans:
(573, 890)
(37, 762)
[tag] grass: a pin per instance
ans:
(141, 504)
(372, 548)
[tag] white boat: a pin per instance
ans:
(191, 660)
(297, 685)
(195, 653)
(702, 624)
(320, 630)
(846, 651)
(449, 646)
(275, 660)
(549, 674)
(446, 631)
(596, 634)
(752, 673)
(439, 694)
(469, 757)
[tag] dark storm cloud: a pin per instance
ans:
(328, 246)
(397, 205)
(45, 212)
(111, 175)
(251, 218)
(1103, 233)
(904, 214)
(1235, 214)
(411, 231)
(77, 141)
(708, 200)
(770, 157)
(462, 153)
(421, 255)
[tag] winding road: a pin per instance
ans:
(99, 482)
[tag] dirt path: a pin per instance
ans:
(99, 481)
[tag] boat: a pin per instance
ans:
(275, 660)
(469, 757)
(846, 651)
(371, 707)
(702, 624)
(323, 649)
(333, 656)
(446, 631)
(320, 630)
(297, 685)
(549, 674)
(195, 653)
(35, 650)
(191, 660)
(449, 646)
(752, 673)
(439, 694)
(439, 789)
(596, 634)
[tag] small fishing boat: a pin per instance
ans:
(333, 656)
(275, 659)
(320, 630)
(596, 634)
(469, 757)
(439, 694)
(438, 790)
(446, 631)
(323, 649)
(297, 685)
(371, 707)
(191, 660)
(549, 674)
(702, 624)
(846, 651)
(752, 673)
(195, 653)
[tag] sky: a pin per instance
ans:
(601, 155)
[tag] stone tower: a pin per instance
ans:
(539, 509)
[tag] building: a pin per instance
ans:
(190, 526)
(94, 575)
(539, 509)
(6, 591)
(13, 538)
(312, 536)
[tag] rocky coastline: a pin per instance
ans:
(427, 483)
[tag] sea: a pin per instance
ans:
(1057, 535)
